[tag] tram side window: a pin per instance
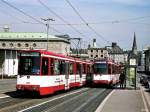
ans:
(62, 67)
(71, 68)
(109, 69)
(84, 69)
(44, 66)
(79, 69)
(57, 67)
(52, 66)
(88, 69)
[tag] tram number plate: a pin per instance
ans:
(27, 82)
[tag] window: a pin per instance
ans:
(26, 45)
(19, 45)
(101, 55)
(91, 56)
(79, 69)
(71, 68)
(109, 69)
(34, 44)
(29, 64)
(96, 56)
(84, 68)
(88, 69)
(11, 44)
(100, 68)
(91, 50)
(3, 44)
(44, 66)
(52, 66)
(101, 51)
(62, 67)
(57, 67)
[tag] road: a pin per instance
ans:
(76, 100)
(7, 85)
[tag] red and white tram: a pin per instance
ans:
(106, 72)
(46, 72)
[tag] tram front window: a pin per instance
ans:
(29, 64)
(100, 68)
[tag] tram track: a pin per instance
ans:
(75, 100)
(19, 102)
(78, 101)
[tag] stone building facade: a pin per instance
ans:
(97, 53)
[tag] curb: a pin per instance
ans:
(101, 106)
(145, 98)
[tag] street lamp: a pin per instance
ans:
(47, 26)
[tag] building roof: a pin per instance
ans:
(115, 49)
(134, 47)
(27, 36)
(94, 48)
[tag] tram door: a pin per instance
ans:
(67, 75)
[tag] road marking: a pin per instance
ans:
(4, 97)
(52, 100)
(101, 106)
(144, 100)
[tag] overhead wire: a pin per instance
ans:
(62, 19)
(85, 22)
(24, 13)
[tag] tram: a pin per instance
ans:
(47, 72)
(105, 72)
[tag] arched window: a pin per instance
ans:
(11, 44)
(26, 45)
(3, 44)
(19, 45)
(34, 44)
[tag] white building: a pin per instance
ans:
(117, 54)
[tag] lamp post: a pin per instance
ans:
(47, 20)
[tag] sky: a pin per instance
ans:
(113, 20)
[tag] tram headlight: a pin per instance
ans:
(19, 87)
(35, 88)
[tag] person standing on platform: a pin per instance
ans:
(122, 79)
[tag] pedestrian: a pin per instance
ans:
(122, 79)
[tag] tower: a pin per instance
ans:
(134, 47)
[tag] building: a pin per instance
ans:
(80, 53)
(147, 60)
(12, 42)
(117, 54)
(133, 52)
(97, 53)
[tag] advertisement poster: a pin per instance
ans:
(132, 75)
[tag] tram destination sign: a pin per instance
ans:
(29, 54)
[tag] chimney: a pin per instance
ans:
(89, 46)
(114, 44)
(94, 42)
(6, 28)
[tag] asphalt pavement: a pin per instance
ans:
(75, 100)
(7, 85)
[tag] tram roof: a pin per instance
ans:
(57, 56)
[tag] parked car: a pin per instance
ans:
(145, 80)
(148, 80)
